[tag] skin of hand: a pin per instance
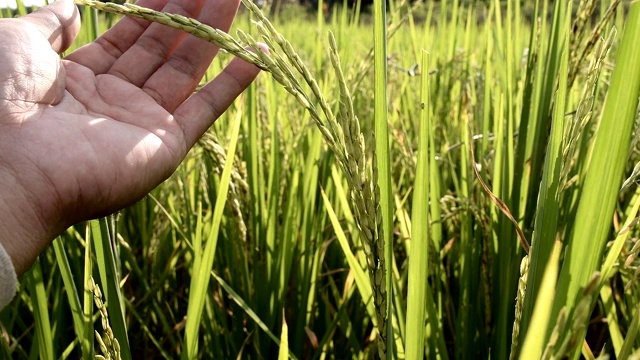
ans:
(86, 135)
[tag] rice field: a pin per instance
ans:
(433, 180)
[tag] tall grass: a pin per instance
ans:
(363, 199)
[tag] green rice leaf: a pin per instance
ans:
(72, 295)
(361, 278)
(201, 273)
(243, 304)
(534, 342)
(40, 312)
(418, 258)
(109, 278)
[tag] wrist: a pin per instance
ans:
(24, 233)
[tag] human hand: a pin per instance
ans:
(84, 136)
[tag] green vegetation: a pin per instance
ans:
(467, 190)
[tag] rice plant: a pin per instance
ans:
(461, 184)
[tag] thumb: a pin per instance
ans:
(58, 22)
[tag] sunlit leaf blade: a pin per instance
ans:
(361, 278)
(418, 258)
(40, 312)
(534, 342)
(283, 354)
(201, 274)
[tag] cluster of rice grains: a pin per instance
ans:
(342, 133)
(109, 344)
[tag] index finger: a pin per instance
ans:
(58, 22)
(101, 54)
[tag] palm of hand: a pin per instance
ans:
(106, 144)
(85, 136)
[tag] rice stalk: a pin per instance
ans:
(41, 316)
(72, 294)
(610, 310)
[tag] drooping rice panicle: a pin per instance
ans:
(359, 166)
